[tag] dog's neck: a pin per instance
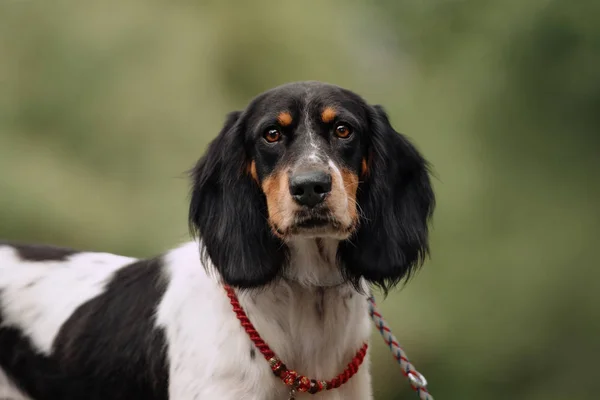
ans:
(313, 320)
(313, 263)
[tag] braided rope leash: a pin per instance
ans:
(417, 381)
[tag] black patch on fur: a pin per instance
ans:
(34, 373)
(280, 324)
(108, 349)
(397, 201)
(40, 252)
(252, 353)
(31, 284)
(320, 303)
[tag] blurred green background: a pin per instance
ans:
(105, 104)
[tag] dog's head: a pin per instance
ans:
(311, 160)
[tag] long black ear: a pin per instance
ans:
(396, 202)
(228, 212)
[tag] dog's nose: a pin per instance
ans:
(310, 188)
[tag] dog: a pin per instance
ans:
(305, 200)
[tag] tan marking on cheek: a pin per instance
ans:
(350, 180)
(328, 115)
(341, 199)
(364, 167)
(284, 118)
(276, 191)
(252, 171)
(271, 189)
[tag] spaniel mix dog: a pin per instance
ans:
(303, 201)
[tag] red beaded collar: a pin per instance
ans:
(291, 378)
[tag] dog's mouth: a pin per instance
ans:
(314, 218)
(317, 223)
(313, 222)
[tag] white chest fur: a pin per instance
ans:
(315, 331)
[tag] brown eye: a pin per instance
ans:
(343, 131)
(272, 135)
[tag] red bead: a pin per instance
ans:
(302, 384)
(289, 377)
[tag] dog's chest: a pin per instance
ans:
(315, 332)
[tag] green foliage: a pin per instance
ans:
(105, 105)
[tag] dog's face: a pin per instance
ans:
(311, 160)
(307, 152)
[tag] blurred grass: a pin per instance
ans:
(105, 105)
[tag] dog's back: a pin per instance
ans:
(60, 311)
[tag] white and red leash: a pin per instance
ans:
(416, 379)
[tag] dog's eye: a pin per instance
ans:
(343, 131)
(272, 135)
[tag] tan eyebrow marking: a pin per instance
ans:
(284, 118)
(328, 115)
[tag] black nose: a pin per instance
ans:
(310, 188)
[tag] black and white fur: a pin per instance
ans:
(89, 325)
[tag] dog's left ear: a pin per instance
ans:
(396, 201)
(228, 212)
